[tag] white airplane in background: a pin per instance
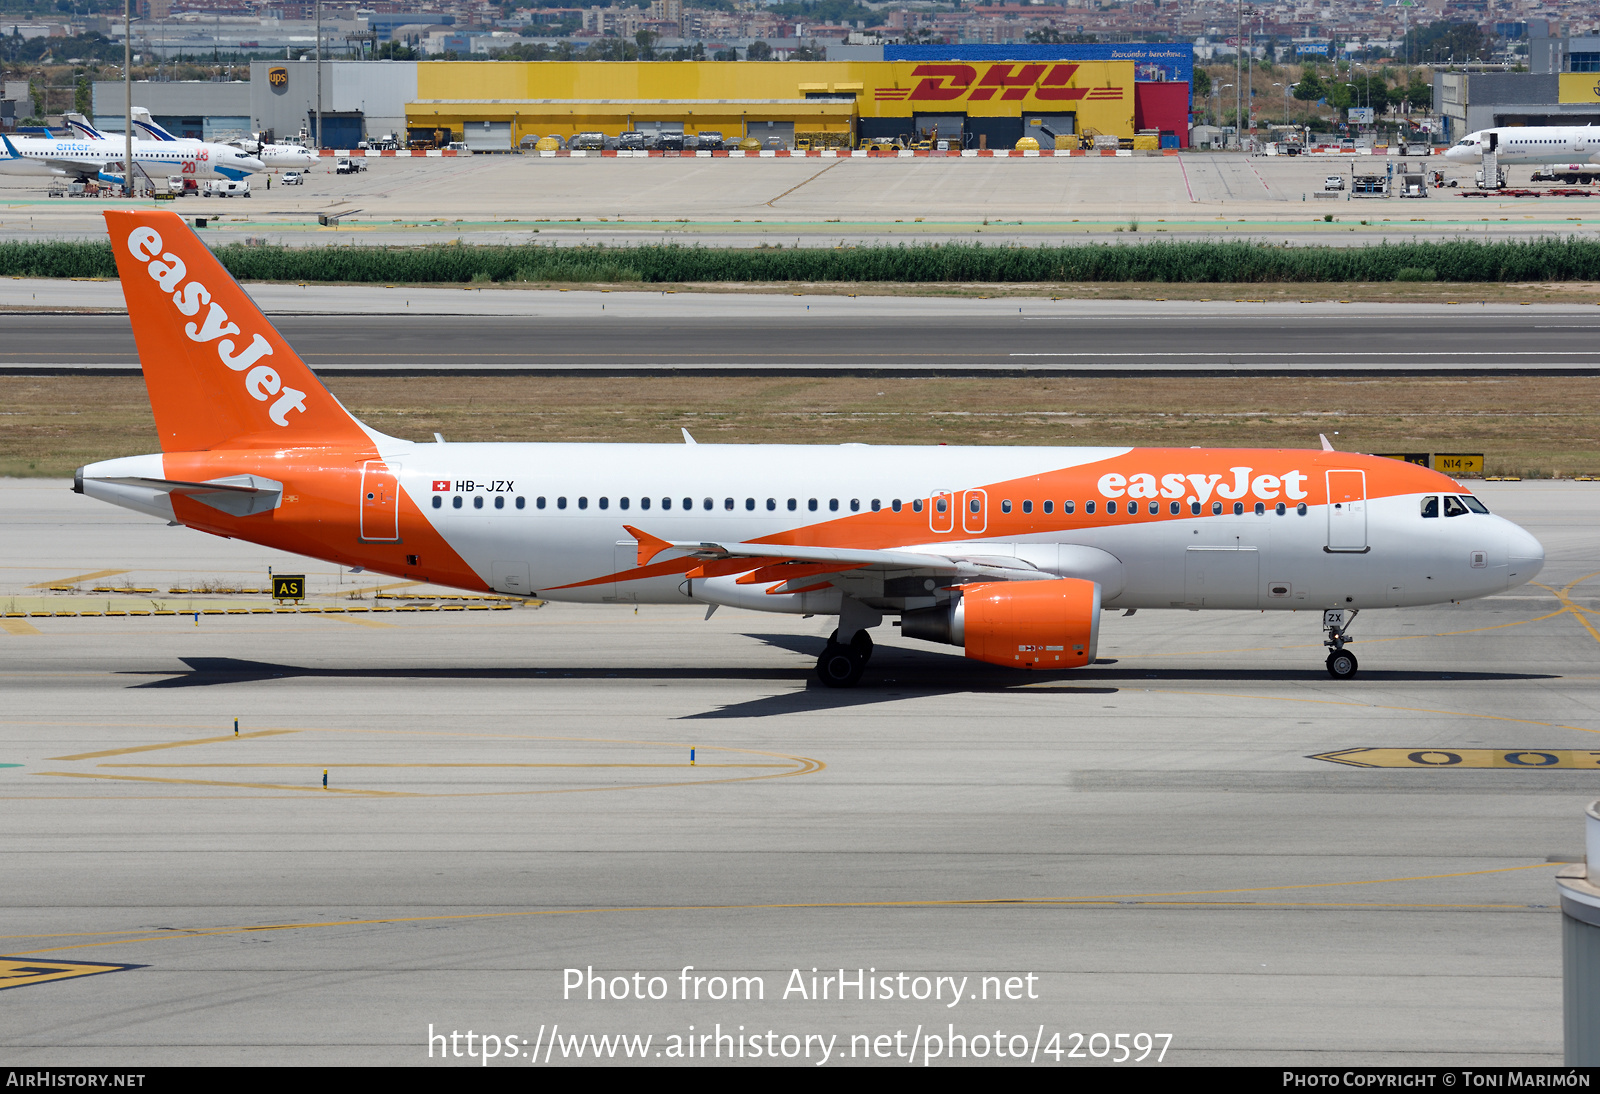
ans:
(273, 155)
(92, 154)
(1530, 144)
(1011, 553)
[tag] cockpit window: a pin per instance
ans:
(1430, 506)
(1453, 506)
(1474, 504)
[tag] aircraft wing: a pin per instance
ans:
(960, 566)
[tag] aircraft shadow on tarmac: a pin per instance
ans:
(894, 674)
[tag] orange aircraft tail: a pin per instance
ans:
(219, 375)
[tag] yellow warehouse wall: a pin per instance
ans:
(1100, 93)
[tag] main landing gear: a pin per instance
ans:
(842, 664)
(1336, 622)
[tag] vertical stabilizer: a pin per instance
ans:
(218, 373)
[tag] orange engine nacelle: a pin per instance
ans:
(1024, 624)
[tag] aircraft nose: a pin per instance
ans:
(1524, 555)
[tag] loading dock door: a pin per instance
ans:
(761, 130)
(487, 136)
(951, 127)
(1062, 124)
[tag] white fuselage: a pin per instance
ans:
(86, 156)
(1530, 144)
(543, 517)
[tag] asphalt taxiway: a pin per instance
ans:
(81, 327)
(1157, 840)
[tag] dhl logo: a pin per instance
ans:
(945, 83)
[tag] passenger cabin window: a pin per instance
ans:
(522, 503)
(707, 504)
(833, 505)
(793, 505)
(538, 503)
(772, 504)
(644, 503)
(1261, 507)
(1088, 507)
(877, 504)
(1238, 508)
(1216, 508)
(1453, 506)
(1049, 507)
(561, 503)
(895, 505)
(941, 505)
(1005, 506)
(622, 503)
(1155, 509)
(811, 504)
(1068, 506)
(605, 503)
(750, 505)
(916, 506)
(477, 501)
(1111, 506)
(855, 505)
(1430, 506)
(727, 505)
(438, 502)
(1027, 507)
(455, 502)
(500, 501)
(583, 503)
(1194, 508)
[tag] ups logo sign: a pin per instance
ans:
(278, 78)
(1047, 82)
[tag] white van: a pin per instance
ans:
(226, 188)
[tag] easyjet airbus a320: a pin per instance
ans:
(1010, 553)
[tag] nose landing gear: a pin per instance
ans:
(842, 664)
(1342, 664)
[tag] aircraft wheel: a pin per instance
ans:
(840, 666)
(1342, 664)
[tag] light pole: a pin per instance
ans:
(127, 92)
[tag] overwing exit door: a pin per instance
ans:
(1347, 511)
(380, 503)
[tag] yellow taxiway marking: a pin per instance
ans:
(214, 782)
(1578, 612)
(340, 766)
(358, 621)
(1115, 899)
(19, 974)
(1511, 759)
(791, 766)
(79, 577)
(18, 627)
(379, 588)
(173, 744)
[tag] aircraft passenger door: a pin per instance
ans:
(380, 503)
(942, 512)
(974, 512)
(1347, 511)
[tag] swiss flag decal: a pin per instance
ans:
(442, 484)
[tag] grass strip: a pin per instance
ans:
(1203, 262)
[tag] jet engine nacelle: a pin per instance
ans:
(1023, 624)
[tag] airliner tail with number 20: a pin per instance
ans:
(1011, 553)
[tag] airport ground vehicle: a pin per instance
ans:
(294, 178)
(1011, 553)
(1573, 174)
(590, 140)
(881, 144)
(225, 188)
(1333, 182)
(181, 185)
(349, 167)
(710, 140)
(631, 139)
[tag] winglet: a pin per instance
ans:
(10, 148)
(686, 438)
(649, 546)
(1323, 437)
